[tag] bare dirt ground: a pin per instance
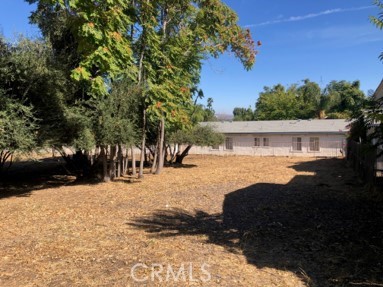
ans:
(217, 221)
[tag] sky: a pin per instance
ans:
(320, 40)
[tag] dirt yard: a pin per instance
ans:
(217, 221)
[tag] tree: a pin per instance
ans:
(242, 114)
(378, 21)
(340, 99)
(309, 100)
(198, 135)
(17, 129)
(159, 45)
(344, 99)
(277, 103)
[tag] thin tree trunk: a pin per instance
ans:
(134, 172)
(143, 145)
(104, 157)
(174, 153)
(165, 153)
(126, 161)
(154, 164)
(161, 147)
(156, 150)
(112, 160)
(120, 157)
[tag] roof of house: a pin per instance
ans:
(281, 127)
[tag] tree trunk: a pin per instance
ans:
(134, 172)
(112, 162)
(126, 161)
(154, 164)
(120, 157)
(104, 157)
(143, 147)
(173, 153)
(156, 150)
(161, 147)
(180, 157)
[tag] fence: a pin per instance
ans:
(365, 162)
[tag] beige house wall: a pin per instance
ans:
(330, 145)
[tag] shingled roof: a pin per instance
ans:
(281, 127)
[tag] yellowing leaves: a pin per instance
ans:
(117, 36)
(80, 73)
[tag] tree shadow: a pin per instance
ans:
(315, 226)
(27, 176)
(183, 165)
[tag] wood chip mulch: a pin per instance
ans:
(218, 221)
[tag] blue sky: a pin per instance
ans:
(321, 40)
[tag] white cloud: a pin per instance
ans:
(308, 16)
(345, 36)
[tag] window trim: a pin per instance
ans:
(295, 143)
(310, 144)
(230, 139)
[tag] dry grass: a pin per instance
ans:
(245, 217)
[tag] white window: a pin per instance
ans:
(297, 143)
(314, 144)
(257, 142)
(266, 142)
(229, 143)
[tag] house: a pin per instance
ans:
(378, 94)
(309, 138)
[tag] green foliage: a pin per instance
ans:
(242, 114)
(378, 21)
(114, 116)
(17, 127)
(277, 103)
(344, 97)
(339, 100)
(157, 46)
(76, 129)
(30, 73)
(98, 31)
(202, 114)
(309, 99)
(367, 128)
(198, 135)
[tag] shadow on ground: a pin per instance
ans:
(323, 226)
(27, 176)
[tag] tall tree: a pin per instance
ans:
(340, 99)
(378, 20)
(18, 128)
(277, 103)
(309, 99)
(243, 114)
(159, 44)
(345, 99)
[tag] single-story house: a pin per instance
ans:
(310, 138)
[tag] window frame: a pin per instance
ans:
(297, 142)
(257, 142)
(229, 142)
(314, 143)
(266, 140)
